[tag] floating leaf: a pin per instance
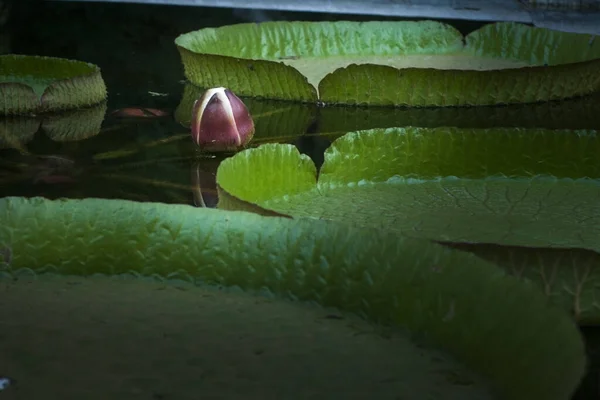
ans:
(495, 324)
(34, 84)
(570, 277)
(525, 187)
(392, 63)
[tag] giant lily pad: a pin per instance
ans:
(569, 276)
(525, 187)
(281, 121)
(34, 84)
(493, 323)
(411, 63)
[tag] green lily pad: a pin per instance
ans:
(535, 46)
(570, 277)
(410, 63)
(511, 187)
(34, 84)
(273, 120)
(441, 295)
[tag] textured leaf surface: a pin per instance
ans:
(495, 324)
(518, 212)
(422, 63)
(383, 85)
(534, 188)
(250, 59)
(38, 84)
(570, 276)
(258, 78)
(535, 46)
(285, 40)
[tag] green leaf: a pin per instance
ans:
(428, 153)
(422, 153)
(523, 187)
(258, 78)
(250, 59)
(535, 46)
(383, 85)
(281, 40)
(570, 277)
(34, 84)
(490, 321)
(422, 63)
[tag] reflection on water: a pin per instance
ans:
(132, 153)
(568, 275)
(148, 155)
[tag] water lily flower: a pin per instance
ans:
(221, 121)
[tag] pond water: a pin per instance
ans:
(138, 145)
(128, 153)
(124, 151)
(143, 153)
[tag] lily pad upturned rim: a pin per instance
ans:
(223, 57)
(63, 84)
(517, 192)
(468, 153)
(416, 284)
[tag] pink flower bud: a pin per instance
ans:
(221, 121)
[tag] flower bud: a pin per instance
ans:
(221, 121)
